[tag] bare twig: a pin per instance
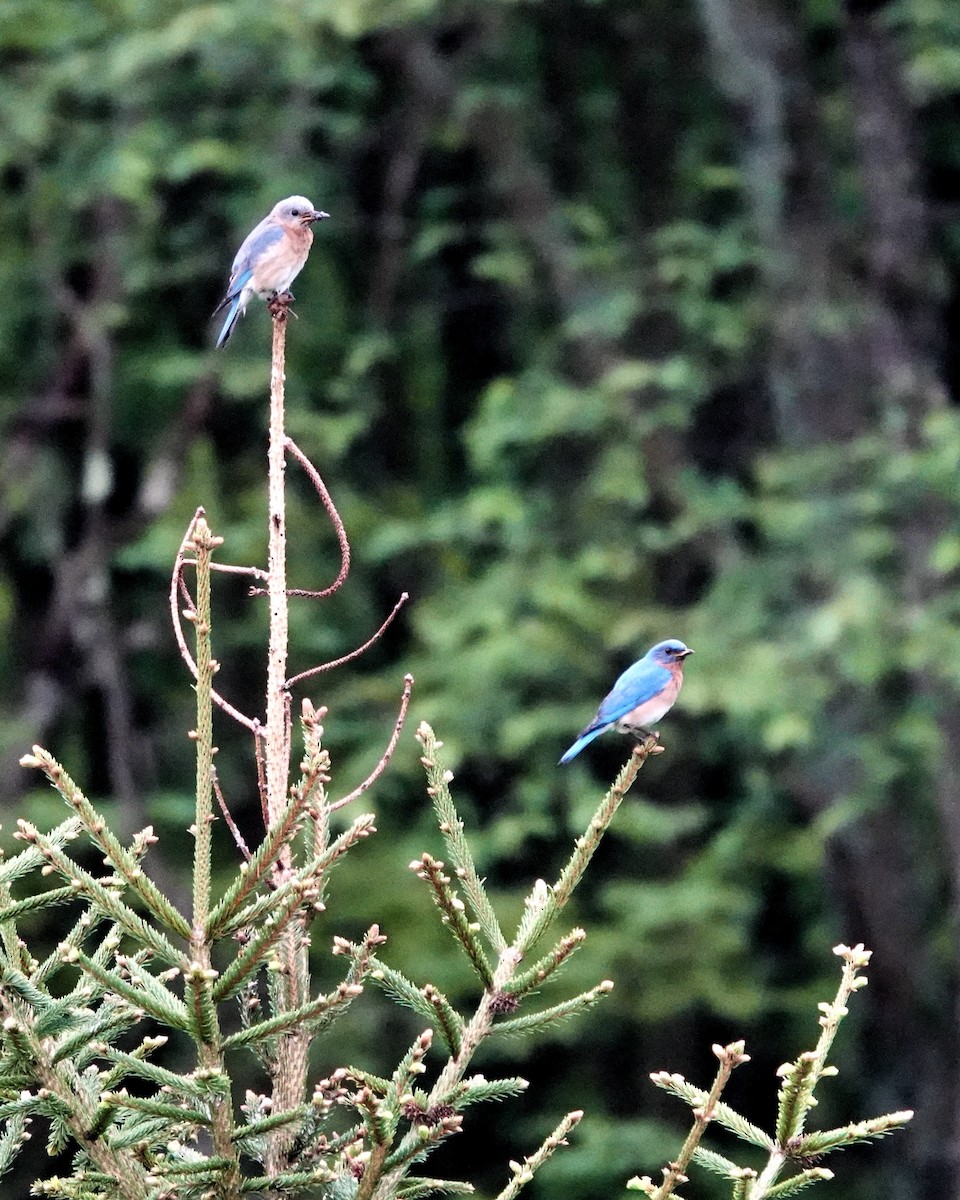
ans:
(227, 569)
(339, 662)
(387, 754)
(178, 585)
(335, 520)
(227, 816)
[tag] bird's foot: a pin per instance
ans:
(651, 741)
(279, 303)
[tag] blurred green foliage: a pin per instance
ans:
(595, 350)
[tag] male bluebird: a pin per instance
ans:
(643, 694)
(270, 259)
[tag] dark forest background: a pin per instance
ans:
(634, 319)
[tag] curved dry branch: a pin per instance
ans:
(228, 816)
(178, 586)
(335, 520)
(387, 754)
(339, 662)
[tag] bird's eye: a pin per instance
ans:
(294, 212)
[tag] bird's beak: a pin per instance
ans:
(315, 215)
(685, 653)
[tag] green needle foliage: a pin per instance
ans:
(790, 1149)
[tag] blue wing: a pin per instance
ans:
(246, 257)
(255, 243)
(637, 685)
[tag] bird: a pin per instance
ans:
(643, 694)
(270, 259)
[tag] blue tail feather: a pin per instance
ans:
(233, 314)
(584, 739)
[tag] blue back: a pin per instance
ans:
(254, 245)
(639, 683)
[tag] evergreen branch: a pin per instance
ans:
(541, 971)
(25, 989)
(730, 1057)
(524, 1172)
(170, 1010)
(134, 1064)
(48, 899)
(324, 1008)
(23, 1106)
(105, 898)
(410, 1066)
(109, 944)
(227, 915)
(201, 1170)
(59, 1016)
(120, 858)
(157, 1108)
(415, 1189)
(420, 1140)
(203, 543)
(451, 826)
(256, 1129)
(315, 764)
(68, 1101)
(379, 1119)
(360, 828)
(550, 901)
(13, 1082)
(402, 990)
(198, 985)
(154, 986)
(862, 1131)
(102, 1117)
(113, 1017)
(454, 914)
(722, 1113)
(138, 1130)
(797, 1183)
(30, 858)
(743, 1185)
(801, 1077)
(449, 1022)
(559, 1012)
(796, 1094)
(287, 1180)
(715, 1162)
(478, 1090)
(376, 1083)
(11, 1140)
(288, 901)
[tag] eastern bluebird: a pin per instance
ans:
(643, 694)
(270, 259)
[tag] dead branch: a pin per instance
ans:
(335, 519)
(178, 586)
(339, 662)
(387, 754)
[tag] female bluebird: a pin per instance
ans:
(643, 694)
(270, 259)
